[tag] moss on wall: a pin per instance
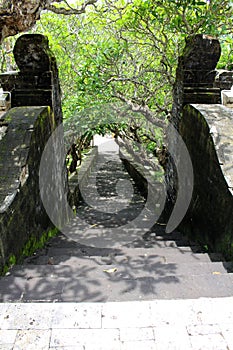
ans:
(23, 219)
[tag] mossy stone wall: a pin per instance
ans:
(207, 131)
(22, 214)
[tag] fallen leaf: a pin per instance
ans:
(111, 270)
(50, 261)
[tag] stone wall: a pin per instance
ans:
(77, 180)
(207, 131)
(22, 214)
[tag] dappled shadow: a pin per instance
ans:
(67, 271)
(131, 264)
(106, 188)
(111, 210)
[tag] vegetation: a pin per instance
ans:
(118, 58)
(32, 245)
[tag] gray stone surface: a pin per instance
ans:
(195, 83)
(111, 210)
(210, 216)
(224, 79)
(93, 268)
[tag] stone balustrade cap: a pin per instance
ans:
(32, 53)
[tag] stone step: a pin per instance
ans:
(74, 248)
(140, 243)
(164, 255)
(167, 237)
(63, 242)
(157, 233)
(166, 246)
(90, 268)
(156, 249)
(163, 244)
(80, 289)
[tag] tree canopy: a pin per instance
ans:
(121, 50)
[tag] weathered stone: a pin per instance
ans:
(201, 95)
(201, 53)
(224, 79)
(207, 132)
(32, 53)
(196, 70)
(25, 134)
(194, 83)
(21, 210)
(37, 82)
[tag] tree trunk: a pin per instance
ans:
(18, 16)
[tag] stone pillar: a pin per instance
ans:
(195, 79)
(37, 82)
(195, 74)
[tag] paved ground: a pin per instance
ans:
(197, 324)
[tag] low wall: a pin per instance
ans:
(208, 133)
(22, 215)
(77, 180)
(149, 181)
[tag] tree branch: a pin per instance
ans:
(144, 110)
(70, 10)
(17, 16)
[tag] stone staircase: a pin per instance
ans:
(153, 265)
(159, 267)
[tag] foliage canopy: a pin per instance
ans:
(127, 50)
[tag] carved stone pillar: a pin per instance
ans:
(195, 83)
(195, 75)
(37, 82)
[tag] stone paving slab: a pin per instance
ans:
(205, 323)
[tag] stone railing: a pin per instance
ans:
(24, 132)
(22, 214)
(207, 131)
